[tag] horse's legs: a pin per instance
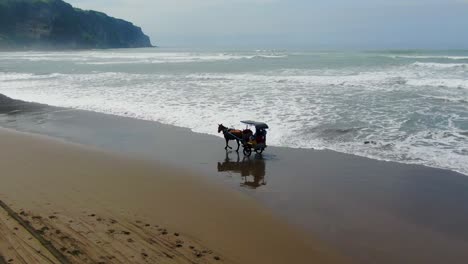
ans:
(227, 144)
(238, 145)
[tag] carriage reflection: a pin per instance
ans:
(251, 170)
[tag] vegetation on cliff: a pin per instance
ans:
(50, 24)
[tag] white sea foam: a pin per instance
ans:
(437, 57)
(106, 58)
(415, 113)
(442, 83)
(435, 65)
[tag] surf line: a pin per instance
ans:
(45, 243)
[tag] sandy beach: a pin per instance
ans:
(98, 207)
(366, 210)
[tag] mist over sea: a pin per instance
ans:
(404, 106)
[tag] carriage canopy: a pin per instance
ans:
(258, 125)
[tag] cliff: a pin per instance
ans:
(52, 24)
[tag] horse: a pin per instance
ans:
(230, 134)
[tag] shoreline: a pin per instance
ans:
(33, 106)
(413, 213)
(88, 202)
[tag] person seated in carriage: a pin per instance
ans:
(260, 136)
(247, 135)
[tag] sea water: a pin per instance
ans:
(404, 106)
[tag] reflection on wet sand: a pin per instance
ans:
(16, 113)
(252, 170)
(13, 111)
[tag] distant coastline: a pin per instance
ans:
(55, 24)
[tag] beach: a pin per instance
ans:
(98, 207)
(241, 132)
(363, 210)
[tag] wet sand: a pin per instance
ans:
(99, 207)
(371, 211)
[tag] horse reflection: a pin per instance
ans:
(252, 171)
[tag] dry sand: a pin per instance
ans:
(98, 207)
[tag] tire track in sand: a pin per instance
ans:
(21, 242)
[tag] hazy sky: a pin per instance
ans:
(361, 24)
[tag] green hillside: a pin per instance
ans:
(48, 24)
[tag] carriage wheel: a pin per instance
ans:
(259, 151)
(247, 152)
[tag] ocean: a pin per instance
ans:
(403, 106)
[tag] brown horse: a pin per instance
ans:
(230, 134)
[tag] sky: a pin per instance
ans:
(320, 24)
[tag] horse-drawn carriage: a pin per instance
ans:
(250, 141)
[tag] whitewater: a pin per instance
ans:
(403, 106)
